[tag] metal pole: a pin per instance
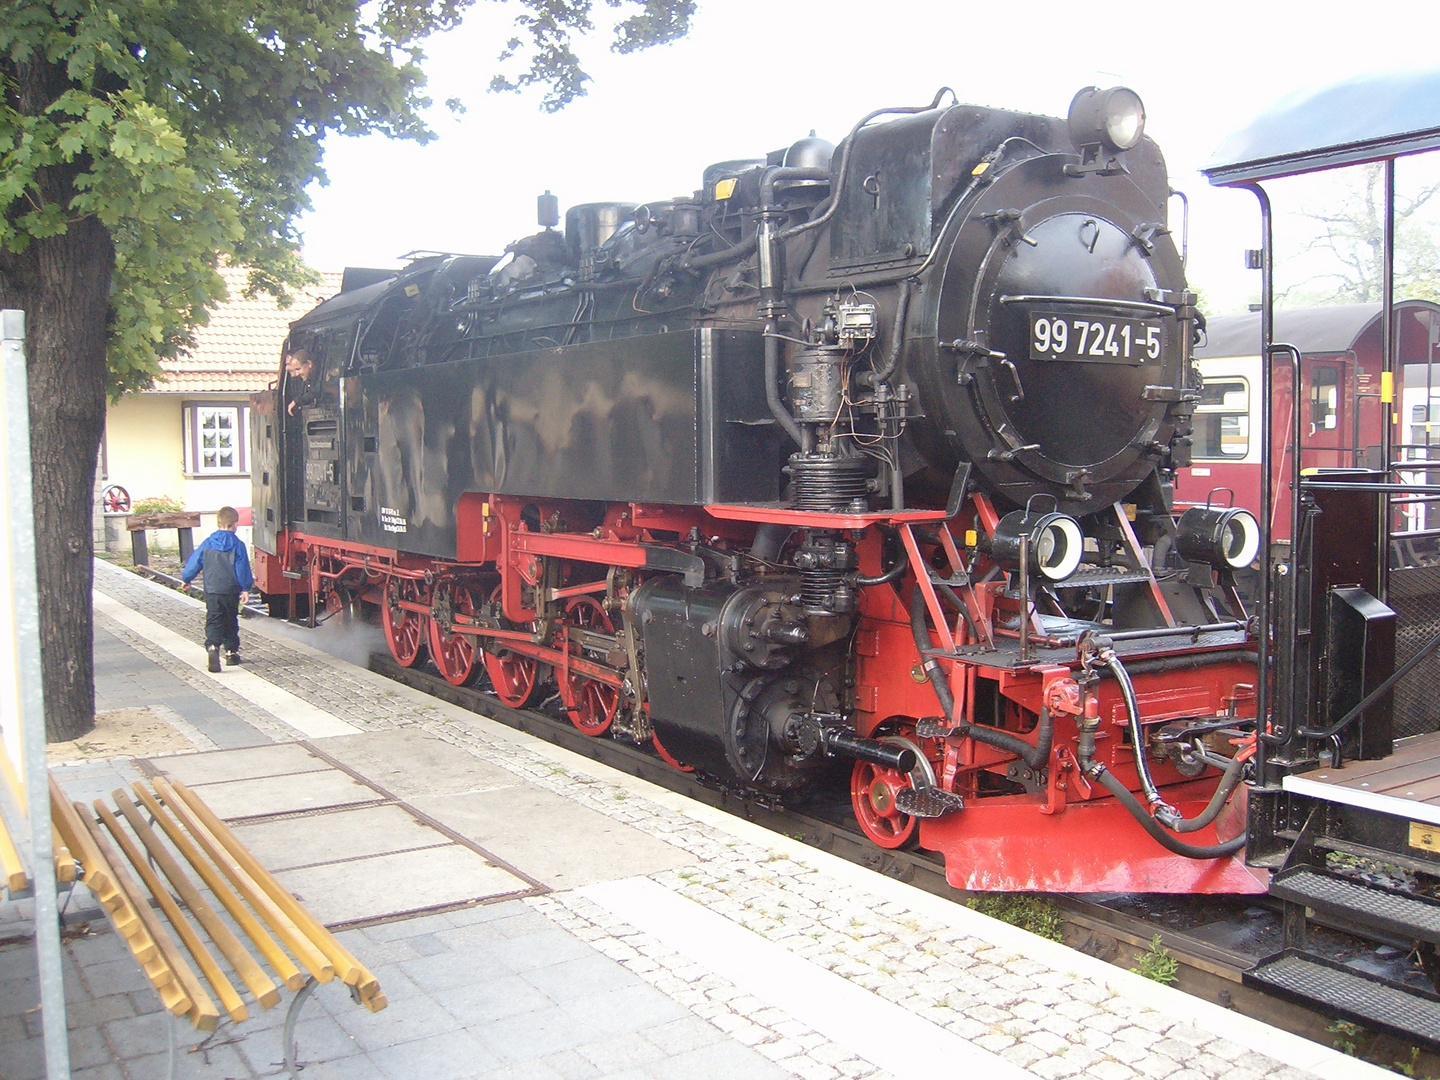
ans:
(1387, 344)
(26, 615)
(1267, 476)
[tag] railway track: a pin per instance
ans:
(1212, 939)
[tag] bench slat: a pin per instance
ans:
(65, 868)
(168, 968)
(77, 840)
(350, 970)
(280, 923)
(259, 984)
(274, 955)
(229, 999)
(16, 879)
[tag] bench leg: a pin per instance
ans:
(292, 1014)
(187, 543)
(139, 548)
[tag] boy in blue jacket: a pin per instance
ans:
(222, 558)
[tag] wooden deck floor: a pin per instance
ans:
(1406, 784)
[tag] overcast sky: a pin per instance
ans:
(754, 75)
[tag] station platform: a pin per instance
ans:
(532, 914)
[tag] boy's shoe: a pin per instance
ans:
(232, 658)
(214, 652)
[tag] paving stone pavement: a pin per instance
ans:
(1034, 1005)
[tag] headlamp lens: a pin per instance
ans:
(1124, 117)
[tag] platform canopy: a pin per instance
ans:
(1366, 119)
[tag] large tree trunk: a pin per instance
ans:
(62, 284)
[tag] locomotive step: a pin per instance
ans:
(1351, 995)
(1399, 914)
(927, 802)
(1105, 575)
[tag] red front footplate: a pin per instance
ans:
(1004, 844)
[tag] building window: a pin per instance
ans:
(215, 440)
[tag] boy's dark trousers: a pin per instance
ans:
(222, 621)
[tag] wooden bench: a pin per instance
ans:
(183, 523)
(15, 878)
(291, 949)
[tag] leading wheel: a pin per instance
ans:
(873, 789)
(590, 704)
(405, 629)
(453, 652)
(513, 674)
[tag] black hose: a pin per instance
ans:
(1137, 732)
(885, 576)
(1112, 784)
(897, 340)
(715, 258)
(1216, 804)
(772, 391)
(1001, 740)
(948, 591)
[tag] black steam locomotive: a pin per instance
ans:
(858, 452)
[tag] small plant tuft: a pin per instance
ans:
(1036, 914)
(1157, 963)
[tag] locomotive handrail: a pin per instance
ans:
(1091, 301)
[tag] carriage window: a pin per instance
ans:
(1324, 397)
(1222, 420)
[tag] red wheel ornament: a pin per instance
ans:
(405, 630)
(872, 796)
(453, 652)
(590, 704)
(512, 674)
(115, 499)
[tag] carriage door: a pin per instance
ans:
(321, 442)
(1327, 433)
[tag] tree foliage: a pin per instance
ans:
(142, 142)
(1345, 249)
(192, 130)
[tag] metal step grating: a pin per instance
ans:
(1406, 915)
(927, 802)
(1351, 994)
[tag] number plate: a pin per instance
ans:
(1095, 339)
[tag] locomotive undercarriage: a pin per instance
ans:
(662, 626)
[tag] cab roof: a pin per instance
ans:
(1370, 118)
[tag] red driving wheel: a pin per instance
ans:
(453, 652)
(872, 796)
(590, 704)
(405, 630)
(512, 674)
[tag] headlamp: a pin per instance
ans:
(1113, 118)
(1227, 538)
(1055, 543)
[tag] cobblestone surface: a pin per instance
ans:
(1000, 1000)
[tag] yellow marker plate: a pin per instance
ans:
(725, 188)
(1424, 836)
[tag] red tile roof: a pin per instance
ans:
(239, 350)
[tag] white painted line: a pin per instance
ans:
(1366, 800)
(293, 711)
(893, 1038)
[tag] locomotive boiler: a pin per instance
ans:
(857, 459)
